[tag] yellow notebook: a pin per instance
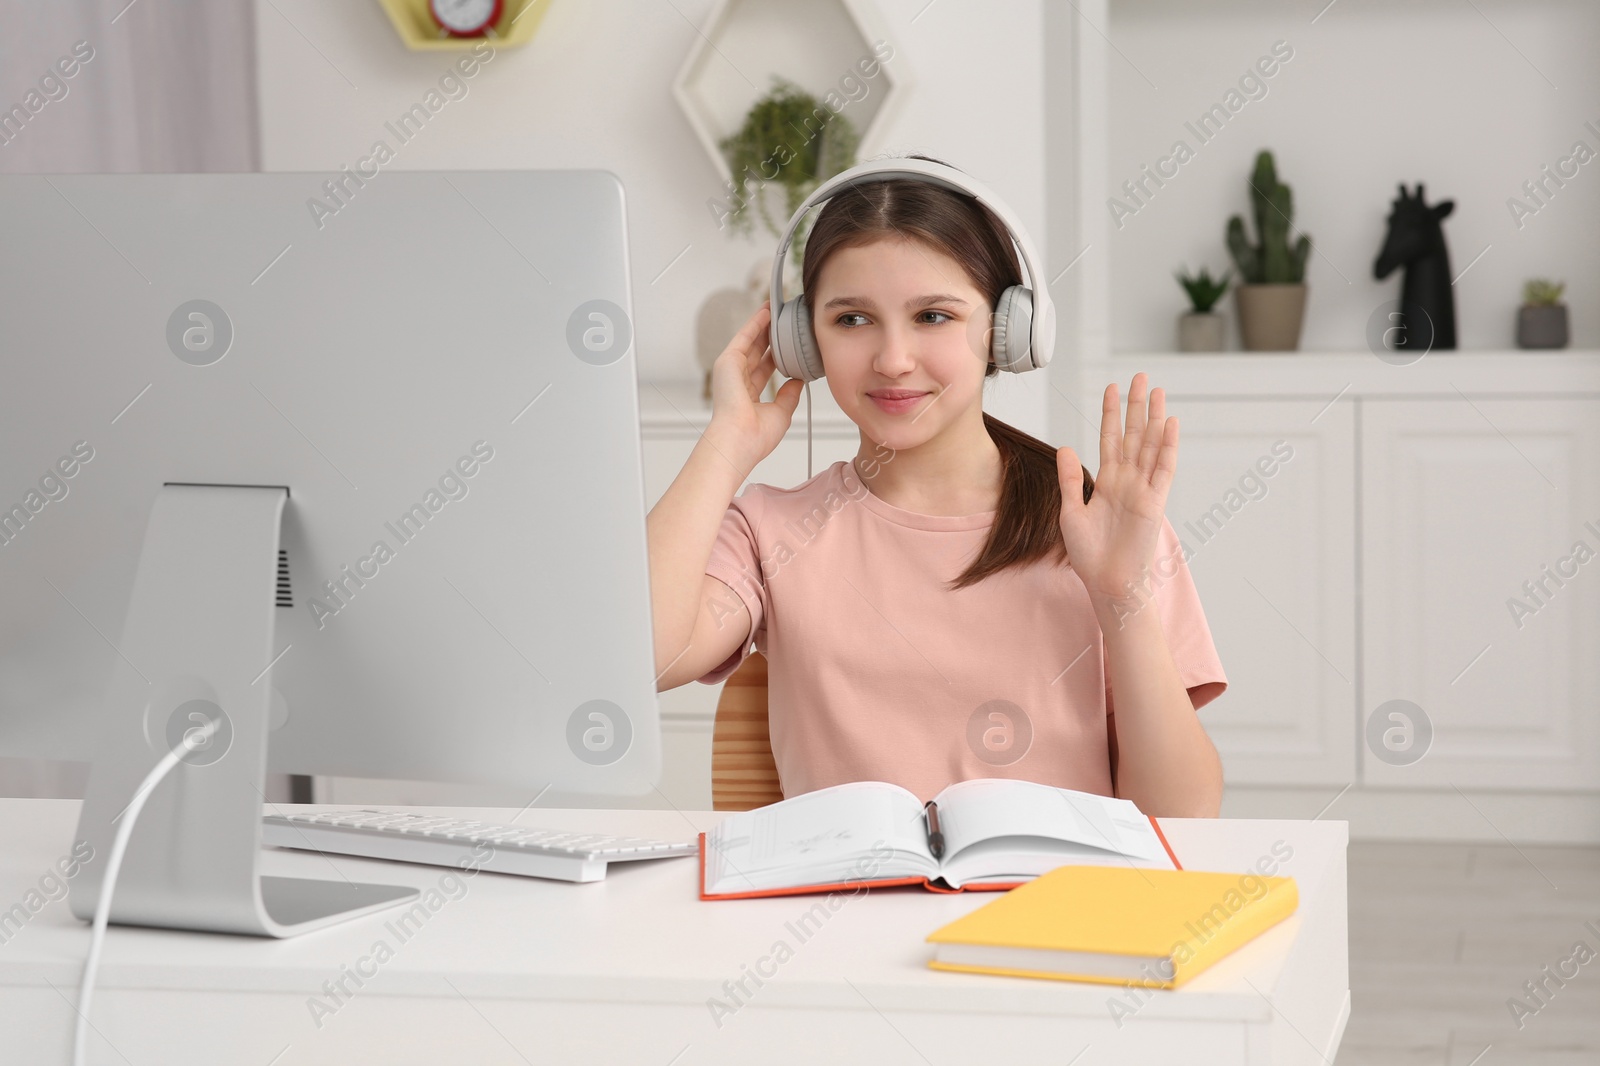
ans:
(1115, 925)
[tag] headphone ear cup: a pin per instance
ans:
(1012, 337)
(796, 355)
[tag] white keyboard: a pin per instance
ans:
(463, 843)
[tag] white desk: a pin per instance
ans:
(518, 970)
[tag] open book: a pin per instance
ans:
(997, 834)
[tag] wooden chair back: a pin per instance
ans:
(743, 773)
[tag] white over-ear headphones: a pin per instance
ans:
(1024, 330)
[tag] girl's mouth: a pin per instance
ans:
(896, 403)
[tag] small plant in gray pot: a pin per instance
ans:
(1542, 318)
(1200, 330)
(1271, 294)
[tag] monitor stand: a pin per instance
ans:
(198, 645)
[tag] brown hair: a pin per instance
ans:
(1027, 525)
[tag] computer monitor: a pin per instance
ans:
(349, 464)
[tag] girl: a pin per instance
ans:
(960, 600)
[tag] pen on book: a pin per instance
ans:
(935, 837)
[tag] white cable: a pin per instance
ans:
(192, 739)
(808, 431)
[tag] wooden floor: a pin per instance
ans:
(1443, 935)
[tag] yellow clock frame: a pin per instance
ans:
(414, 23)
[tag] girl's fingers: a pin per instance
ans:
(1069, 472)
(1166, 459)
(1133, 439)
(746, 339)
(1110, 439)
(1154, 431)
(751, 344)
(761, 374)
(766, 364)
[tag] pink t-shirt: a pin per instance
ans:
(877, 672)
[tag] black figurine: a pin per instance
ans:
(1416, 241)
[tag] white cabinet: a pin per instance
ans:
(1471, 506)
(1262, 502)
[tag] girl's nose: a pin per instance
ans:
(895, 355)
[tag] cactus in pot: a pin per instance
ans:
(1272, 292)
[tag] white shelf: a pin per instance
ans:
(1243, 374)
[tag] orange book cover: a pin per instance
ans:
(800, 890)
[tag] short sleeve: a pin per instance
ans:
(1183, 622)
(736, 562)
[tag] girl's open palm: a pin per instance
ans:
(1111, 540)
(750, 427)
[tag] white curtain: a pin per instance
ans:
(165, 86)
(155, 86)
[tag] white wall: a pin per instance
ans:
(1469, 99)
(593, 89)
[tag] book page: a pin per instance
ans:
(862, 830)
(995, 809)
(1007, 860)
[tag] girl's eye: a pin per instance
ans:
(943, 317)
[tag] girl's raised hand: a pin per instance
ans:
(1111, 539)
(740, 421)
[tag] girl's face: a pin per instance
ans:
(904, 339)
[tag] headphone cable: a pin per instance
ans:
(808, 431)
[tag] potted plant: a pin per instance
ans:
(1542, 318)
(782, 141)
(1200, 330)
(1271, 294)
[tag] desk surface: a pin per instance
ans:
(643, 937)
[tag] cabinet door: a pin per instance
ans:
(1273, 558)
(1482, 590)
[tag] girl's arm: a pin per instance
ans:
(691, 638)
(1161, 756)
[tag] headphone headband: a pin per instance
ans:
(1043, 335)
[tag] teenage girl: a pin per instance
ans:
(960, 600)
